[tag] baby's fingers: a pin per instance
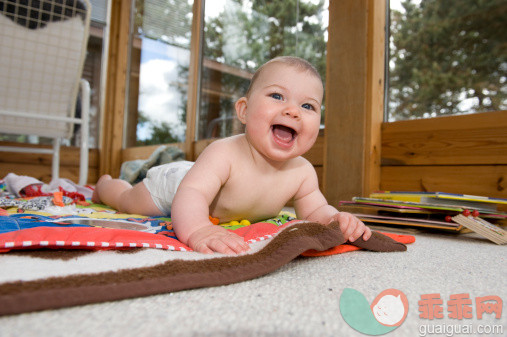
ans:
(203, 248)
(236, 243)
(229, 244)
(220, 246)
(347, 227)
(367, 233)
(358, 231)
(213, 246)
(361, 230)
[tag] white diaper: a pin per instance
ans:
(163, 181)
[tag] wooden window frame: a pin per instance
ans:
(354, 98)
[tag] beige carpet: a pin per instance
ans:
(299, 299)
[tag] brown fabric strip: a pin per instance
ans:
(175, 275)
(380, 243)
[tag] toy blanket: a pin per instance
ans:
(100, 227)
(87, 262)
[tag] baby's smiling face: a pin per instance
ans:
(282, 112)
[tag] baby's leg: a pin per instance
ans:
(98, 193)
(120, 195)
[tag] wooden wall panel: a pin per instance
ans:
(458, 154)
(39, 165)
(143, 152)
(477, 139)
(316, 153)
(43, 173)
(486, 180)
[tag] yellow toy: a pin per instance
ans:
(243, 222)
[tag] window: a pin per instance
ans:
(446, 57)
(238, 36)
(159, 61)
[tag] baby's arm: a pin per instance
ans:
(190, 207)
(311, 205)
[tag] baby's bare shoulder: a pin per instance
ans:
(222, 146)
(302, 164)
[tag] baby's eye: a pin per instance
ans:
(308, 106)
(276, 96)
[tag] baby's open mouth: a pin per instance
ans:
(283, 133)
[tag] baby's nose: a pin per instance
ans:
(292, 112)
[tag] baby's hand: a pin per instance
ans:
(213, 238)
(351, 227)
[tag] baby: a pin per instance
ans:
(248, 176)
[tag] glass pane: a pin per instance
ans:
(159, 60)
(239, 36)
(446, 57)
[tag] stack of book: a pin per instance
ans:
(433, 210)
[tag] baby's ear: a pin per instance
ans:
(241, 109)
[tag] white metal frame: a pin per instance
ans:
(51, 79)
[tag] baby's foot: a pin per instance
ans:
(95, 195)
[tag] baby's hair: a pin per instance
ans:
(293, 61)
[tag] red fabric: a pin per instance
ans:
(107, 238)
(86, 238)
(34, 190)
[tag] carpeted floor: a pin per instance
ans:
(301, 298)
